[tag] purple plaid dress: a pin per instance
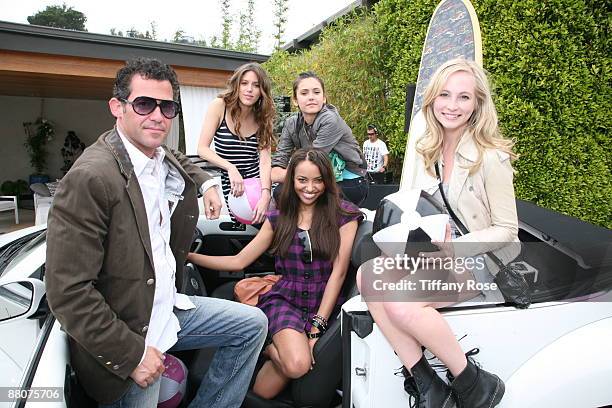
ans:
(296, 297)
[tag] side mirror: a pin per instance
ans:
(20, 299)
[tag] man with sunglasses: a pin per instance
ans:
(121, 223)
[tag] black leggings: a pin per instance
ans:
(355, 190)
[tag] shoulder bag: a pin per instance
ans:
(510, 281)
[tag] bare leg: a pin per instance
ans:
(408, 325)
(407, 347)
(270, 381)
(423, 323)
(289, 359)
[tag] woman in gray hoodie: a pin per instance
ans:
(319, 125)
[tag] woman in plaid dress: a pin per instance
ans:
(311, 235)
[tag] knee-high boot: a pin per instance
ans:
(476, 388)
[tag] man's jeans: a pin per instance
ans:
(238, 331)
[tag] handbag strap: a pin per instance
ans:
(460, 226)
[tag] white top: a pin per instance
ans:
(374, 154)
(162, 187)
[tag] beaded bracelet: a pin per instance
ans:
(321, 318)
(319, 325)
(320, 321)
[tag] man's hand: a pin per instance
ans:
(151, 367)
(212, 203)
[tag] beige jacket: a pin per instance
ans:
(484, 201)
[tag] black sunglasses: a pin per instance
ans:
(144, 105)
(305, 241)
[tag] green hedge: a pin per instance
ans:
(349, 60)
(550, 65)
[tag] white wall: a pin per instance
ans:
(88, 118)
(195, 101)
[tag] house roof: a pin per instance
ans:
(53, 62)
(311, 36)
(32, 38)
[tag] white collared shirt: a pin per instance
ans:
(162, 187)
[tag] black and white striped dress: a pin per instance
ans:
(244, 154)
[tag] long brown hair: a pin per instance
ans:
(324, 232)
(263, 109)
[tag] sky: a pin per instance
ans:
(198, 19)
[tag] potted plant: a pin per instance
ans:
(73, 147)
(38, 134)
(14, 187)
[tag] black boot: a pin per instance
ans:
(410, 387)
(476, 388)
(429, 390)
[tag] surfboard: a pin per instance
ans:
(453, 32)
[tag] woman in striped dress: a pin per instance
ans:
(240, 123)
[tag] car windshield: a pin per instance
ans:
(13, 252)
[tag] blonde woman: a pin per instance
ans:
(462, 137)
(240, 123)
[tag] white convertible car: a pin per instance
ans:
(33, 349)
(554, 354)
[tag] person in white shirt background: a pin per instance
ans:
(376, 155)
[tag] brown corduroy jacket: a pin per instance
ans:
(99, 271)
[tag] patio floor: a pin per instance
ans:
(7, 220)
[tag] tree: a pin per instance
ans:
(280, 15)
(214, 42)
(60, 17)
(200, 43)
(226, 26)
(134, 33)
(153, 25)
(248, 35)
(178, 36)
